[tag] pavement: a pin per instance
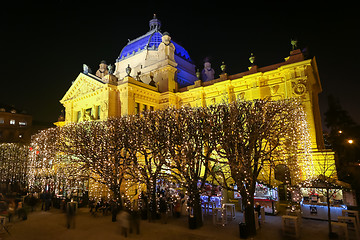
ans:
(42, 225)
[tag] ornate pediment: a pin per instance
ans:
(82, 85)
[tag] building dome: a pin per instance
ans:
(150, 41)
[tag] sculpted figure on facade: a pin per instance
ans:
(207, 73)
(166, 48)
(102, 71)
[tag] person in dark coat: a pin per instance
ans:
(70, 214)
(135, 221)
(163, 209)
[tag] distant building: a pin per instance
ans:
(15, 125)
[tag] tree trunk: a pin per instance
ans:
(117, 195)
(195, 204)
(248, 204)
(329, 214)
(198, 209)
(152, 201)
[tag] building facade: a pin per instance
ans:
(154, 72)
(15, 125)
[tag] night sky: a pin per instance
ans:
(44, 44)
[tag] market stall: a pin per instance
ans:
(266, 196)
(314, 203)
(211, 197)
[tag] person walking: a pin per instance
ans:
(135, 221)
(124, 222)
(70, 214)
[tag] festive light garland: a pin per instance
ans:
(184, 145)
(13, 165)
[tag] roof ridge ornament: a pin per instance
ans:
(154, 23)
(294, 43)
(252, 59)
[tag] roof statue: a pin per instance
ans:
(252, 59)
(223, 67)
(198, 74)
(102, 71)
(86, 69)
(110, 69)
(294, 44)
(207, 73)
(166, 48)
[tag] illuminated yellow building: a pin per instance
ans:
(153, 72)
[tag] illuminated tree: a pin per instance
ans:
(150, 138)
(42, 158)
(101, 147)
(325, 180)
(13, 166)
(190, 146)
(257, 134)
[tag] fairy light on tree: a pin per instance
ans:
(103, 148)
(42, 157)
(13, 166)
(256, 135)
(240, 142)
(190, 146)
(150, 133)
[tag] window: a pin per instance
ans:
(137, 108)
(88, 111)
(78, 116)
(98, 112)
(2, 121)
(151, 108)
(145, 107)
(22, 123)
(12, 122)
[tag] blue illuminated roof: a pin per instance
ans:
(150, 41)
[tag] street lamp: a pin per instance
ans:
(350, 141)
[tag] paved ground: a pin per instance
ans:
(51, 225)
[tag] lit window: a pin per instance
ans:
(12, 122)
(2, 121)
(22, 123)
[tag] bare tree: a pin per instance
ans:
(150, 138)
(190, 146)
(13, 166)
(255, 134)
(325, 179)
(100, 147)
(42, 158)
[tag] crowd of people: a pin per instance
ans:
(127, 213)
(11, 205)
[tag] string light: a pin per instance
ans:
(231, 143)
